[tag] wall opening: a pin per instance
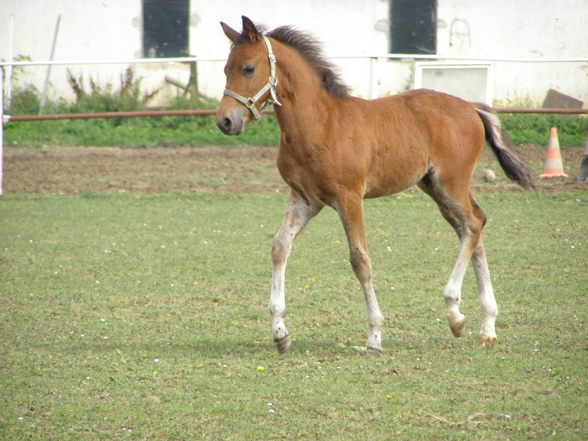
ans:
(413, 26)
(166, 25)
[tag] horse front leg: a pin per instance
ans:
(350, 210)
(298, 213)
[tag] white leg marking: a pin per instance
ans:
(452, 291)
(375, 319)
(297, 216)
(487, 299)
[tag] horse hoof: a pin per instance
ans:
(283, 344)
(486, 340)
(457, 326)
(373, 352)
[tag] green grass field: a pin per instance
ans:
(144, 317)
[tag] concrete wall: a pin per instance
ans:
(112, 29)
(520, 29)
(88, 30)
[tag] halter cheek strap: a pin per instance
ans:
(270, 85)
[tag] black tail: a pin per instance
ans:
(497, 138)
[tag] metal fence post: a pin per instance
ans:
(373, 78)
(1, 128)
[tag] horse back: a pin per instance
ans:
(409, 133)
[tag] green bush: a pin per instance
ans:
(25, 101)
(199, 130)
(145, 132)
(534, 129)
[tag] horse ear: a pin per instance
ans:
(249, 30)
(230, 32)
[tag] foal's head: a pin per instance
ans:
(247, 71)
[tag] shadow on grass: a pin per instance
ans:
(207, 349)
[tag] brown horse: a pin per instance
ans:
(336, 150)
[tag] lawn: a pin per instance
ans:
(144, 317)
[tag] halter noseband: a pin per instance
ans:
(270, 85)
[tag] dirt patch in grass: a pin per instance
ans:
(71, 170)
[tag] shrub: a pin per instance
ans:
(200, 130)
(534, 129)
(104, 99)
(25, 101)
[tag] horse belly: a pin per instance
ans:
(389, 175)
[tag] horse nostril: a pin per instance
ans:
(225, 124)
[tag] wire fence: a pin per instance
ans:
(371, 84)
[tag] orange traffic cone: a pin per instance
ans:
(553, 163)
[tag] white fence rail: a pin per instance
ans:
(372, 58)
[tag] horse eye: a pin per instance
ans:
(248, 70)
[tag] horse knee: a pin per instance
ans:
(361, 264)
(474, 227)
(280, 249)
(479, 214)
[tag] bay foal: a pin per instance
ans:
(336, 150)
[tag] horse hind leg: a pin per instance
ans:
(488, 304)
(489, 307)
(468, 220)
(453, 288)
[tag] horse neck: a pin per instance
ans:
(306, 105)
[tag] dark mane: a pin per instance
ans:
(310, 49)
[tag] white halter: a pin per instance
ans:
(270, 85)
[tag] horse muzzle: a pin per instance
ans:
(232, 121)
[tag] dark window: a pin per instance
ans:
(413, 26)
(165, 28)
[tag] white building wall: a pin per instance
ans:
(513, 28)
(520, 29)
(88, 30)
(112, 29)
(343, 26)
